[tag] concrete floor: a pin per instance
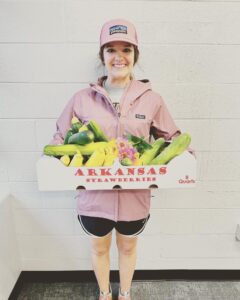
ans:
(141, 290)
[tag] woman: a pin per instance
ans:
(120, 104)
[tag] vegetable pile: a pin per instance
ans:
(87, 145)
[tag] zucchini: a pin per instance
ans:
(149, 154)
(67, 136)
(177, 147)
(60, 150)
(81, 138)
(99, 135)
(75, 127)
(76, 124)
(71, 150)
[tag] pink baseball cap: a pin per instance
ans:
(118, 30)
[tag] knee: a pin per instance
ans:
(99, 250)
(126, 249)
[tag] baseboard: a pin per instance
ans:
(144, 275)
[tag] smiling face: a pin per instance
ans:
(119, 61)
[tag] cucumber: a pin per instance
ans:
(81, 138)
(67, 136)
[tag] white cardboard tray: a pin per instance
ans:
(180, 172)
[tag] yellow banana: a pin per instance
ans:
(138, 161)
(111, 152)
(113, 147)
(112, 142)
(76, 161)
(96, 159)
(88, 149)
(65, 159)
(109, 161)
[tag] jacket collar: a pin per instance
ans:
(135, 89)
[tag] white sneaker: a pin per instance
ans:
(124, 295)
(106, 295)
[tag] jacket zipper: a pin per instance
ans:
(117, 134)
(118, 115)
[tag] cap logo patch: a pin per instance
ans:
(118, 29)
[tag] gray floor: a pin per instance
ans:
(147, 290)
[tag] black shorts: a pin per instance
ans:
(99, 227)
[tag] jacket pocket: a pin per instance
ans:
(137, 126)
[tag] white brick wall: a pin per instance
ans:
(190, 52)
(10, 262)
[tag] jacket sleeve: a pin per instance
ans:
(63, 123)
(163, 124)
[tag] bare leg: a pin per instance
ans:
(127, 249)
(100, 260)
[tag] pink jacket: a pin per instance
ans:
(142, 113)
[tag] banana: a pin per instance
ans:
(96, 159)
(109, 161)
(110, 156)
(89, 149)
(112, 142)
(77, 160)
(137, 161)
(113, 145)
(65, 159)
(111, 152)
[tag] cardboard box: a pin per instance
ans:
(180, 172)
